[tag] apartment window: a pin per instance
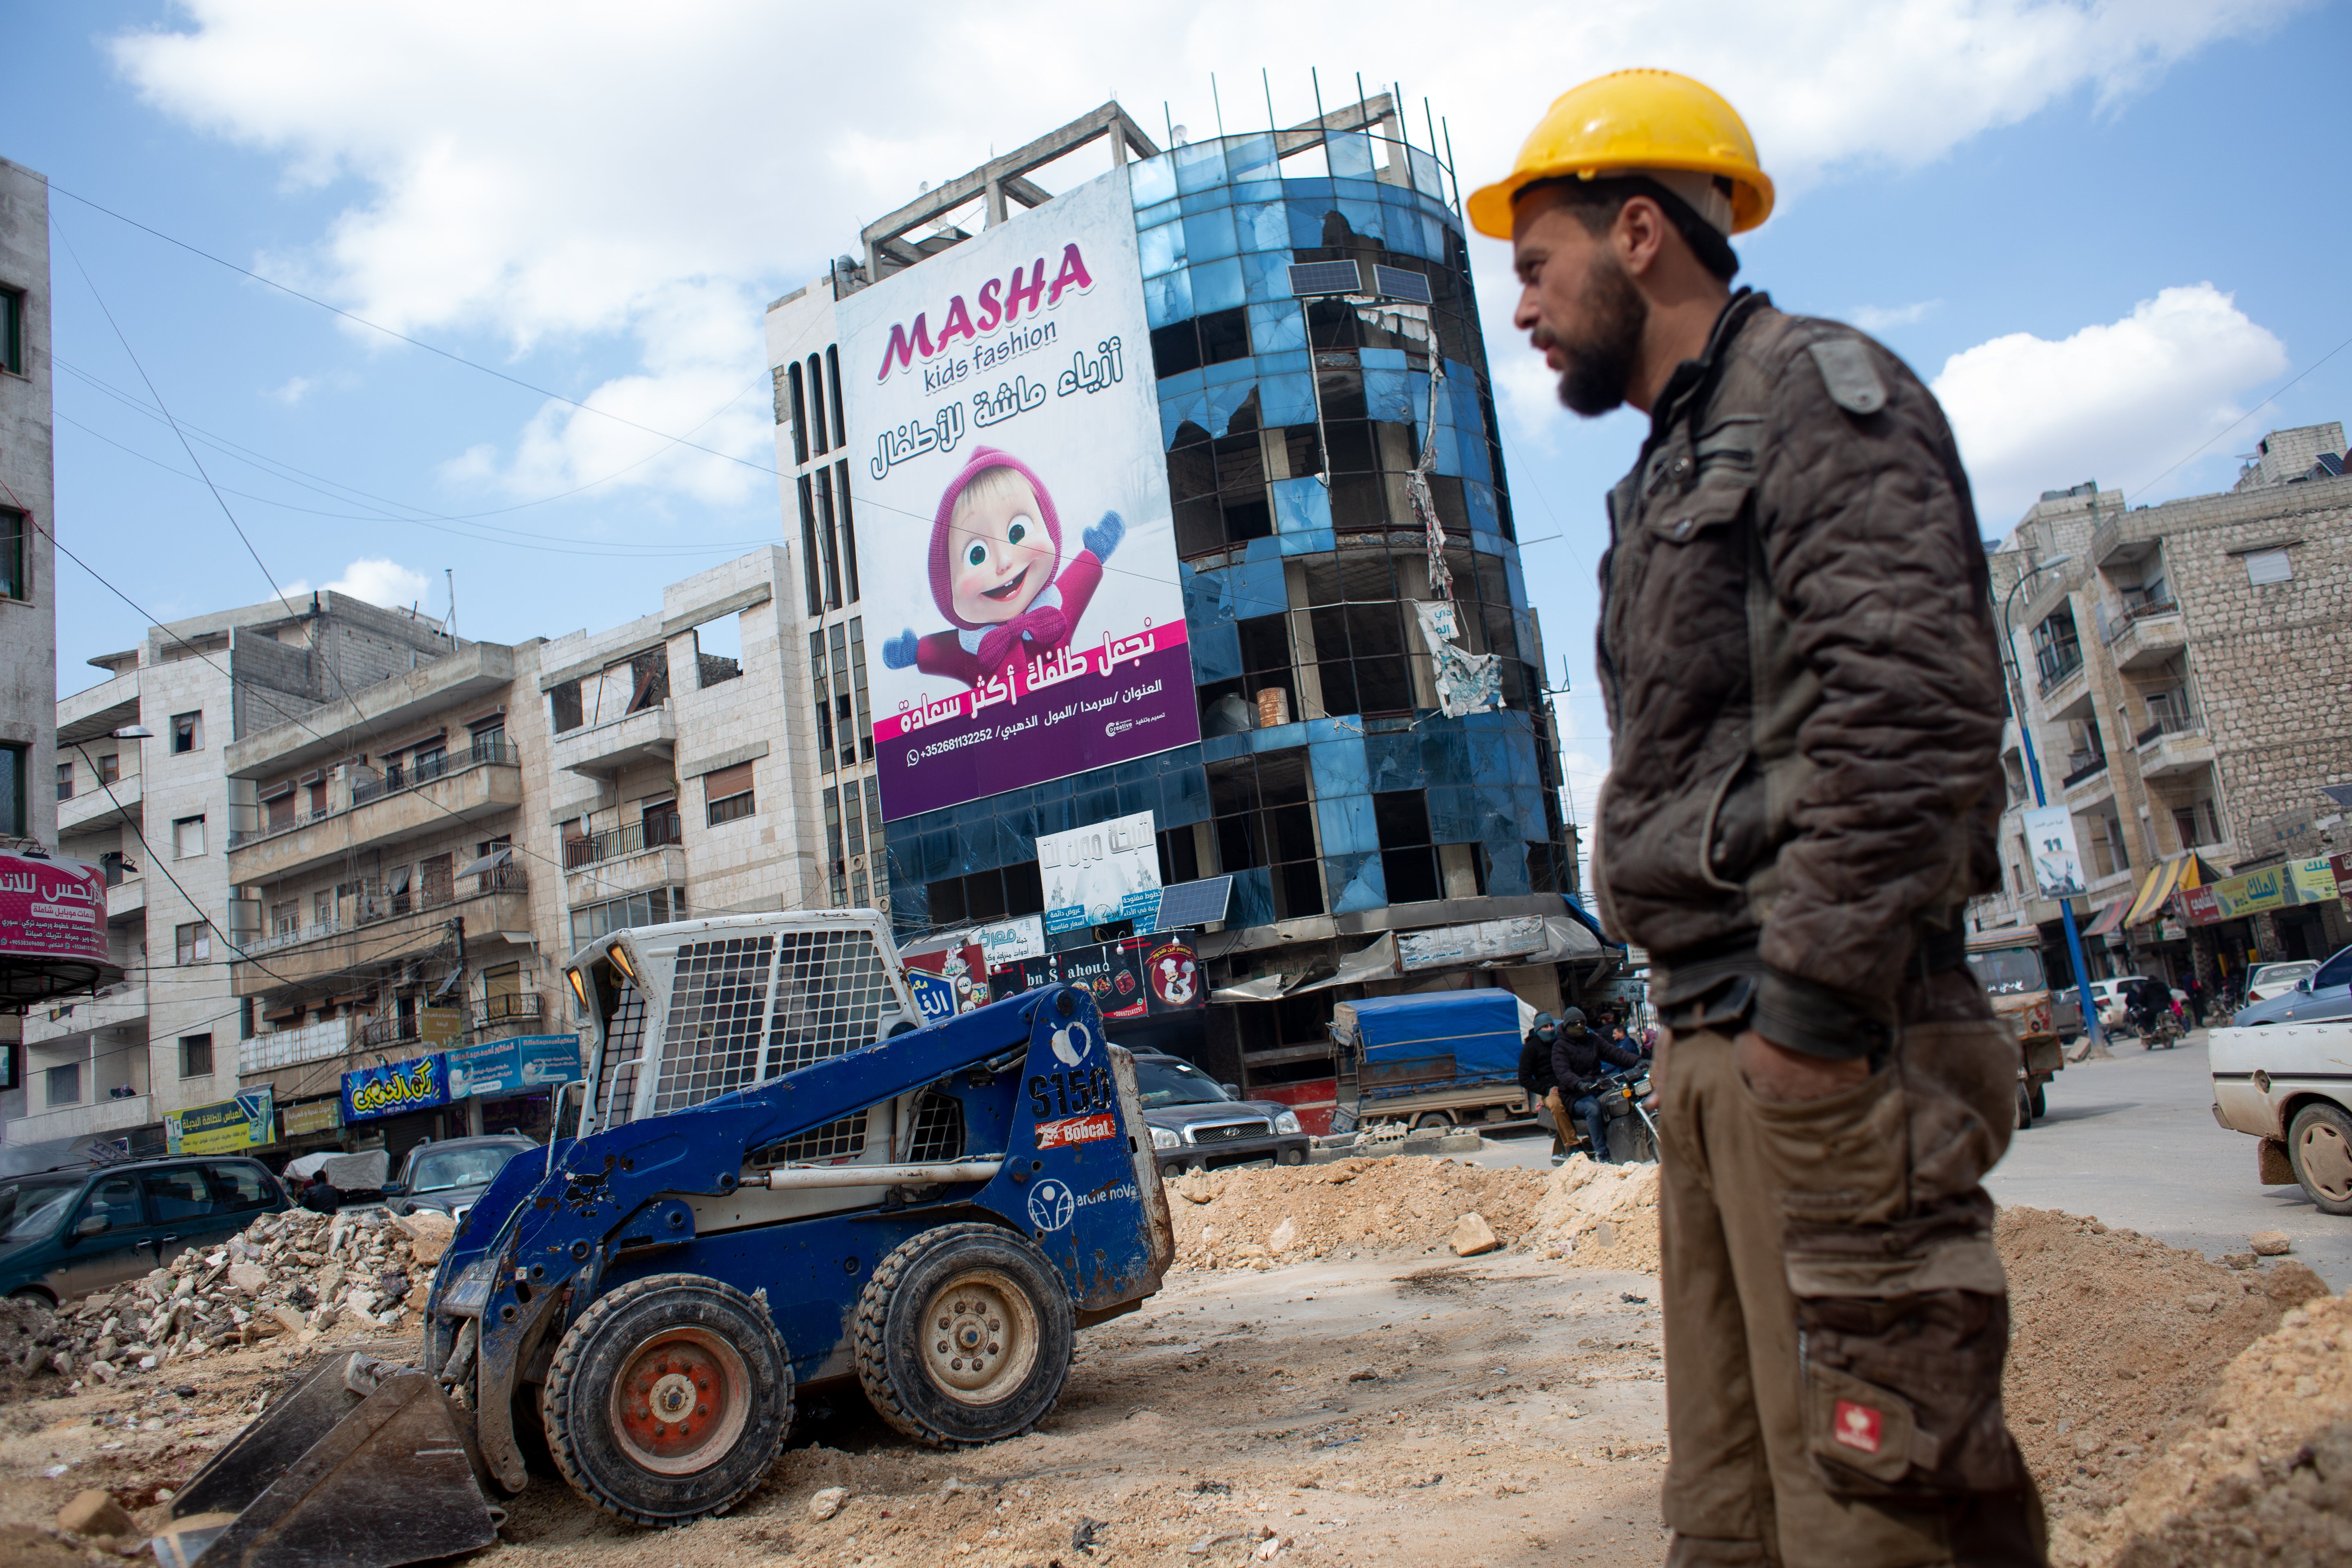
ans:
(2196, 823)
(800, 414)
(193, 942)
(989, 895)
(857, 682)
(12, 330)
(828, 540)
(2268, 566)
(817, 403)
(187, 733)
(836, 867)
(489, 740)
(656, 906)
(65, 781)
(848, 524)
(187, 836)
(195, 1056)
(1408, 861)
(564, 705)
(12, 791)
(322, 909)
(110, 768)
(285, 917)
(727, 793)
(808, 549)
(1212, 339)
(14, 583)
(833, 366)
(65, 1084)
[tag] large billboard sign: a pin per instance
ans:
(1095, 875)
(52, 909)
(2057, 864)
(1015, 536)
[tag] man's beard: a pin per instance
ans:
(1601, 363)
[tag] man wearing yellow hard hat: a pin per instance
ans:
(1796, 644)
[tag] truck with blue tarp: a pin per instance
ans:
(1433, 1059)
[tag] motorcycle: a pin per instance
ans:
(1631, 1130)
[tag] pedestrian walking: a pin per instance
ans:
(2196, 989)
(1796, 636)
(1536, 1081)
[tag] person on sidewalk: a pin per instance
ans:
(1797, 638)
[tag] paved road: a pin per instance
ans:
(2133, 1142)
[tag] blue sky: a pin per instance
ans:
(2106, 231)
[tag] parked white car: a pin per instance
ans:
(2278, 979)
(2290, 1085)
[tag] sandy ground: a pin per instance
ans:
(1361, 1406)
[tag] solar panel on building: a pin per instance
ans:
(1194, 903)
(1326, 278)
(1397, 283)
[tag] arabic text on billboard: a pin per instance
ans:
(224, 1127)
(52, 909)
(1095, 875)
(499, 1068)
(419, 1083)
(1007, 388)
(951, 982)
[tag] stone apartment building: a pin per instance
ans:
(155, 813)
(2184, 671)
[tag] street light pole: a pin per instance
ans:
(2090, 1008)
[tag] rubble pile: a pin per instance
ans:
(2265, 1477)
(1601, 1216)
(297, 1274)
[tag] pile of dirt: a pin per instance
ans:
(2265, 1478)
(298, 1273)
(2117, 1343)
(1245, 1219)
(1601, 1216)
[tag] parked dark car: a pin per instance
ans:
(1200, 1124)
(66, 1233)
(447, 1176)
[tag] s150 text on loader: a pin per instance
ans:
(774, 1177)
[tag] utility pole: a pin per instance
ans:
(2090, 1027)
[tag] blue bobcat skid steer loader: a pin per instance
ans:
(775, 1176)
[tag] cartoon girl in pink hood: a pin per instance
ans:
(995, 547)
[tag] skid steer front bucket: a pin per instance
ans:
(361, 1466)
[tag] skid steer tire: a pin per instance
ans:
(964, 1336)
(665, 1346)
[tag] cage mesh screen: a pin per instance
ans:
(624, 1045)
(841, 1139)
(718, 1001)
(831, 990)
(938, 1128)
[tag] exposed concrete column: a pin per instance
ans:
(995, 207)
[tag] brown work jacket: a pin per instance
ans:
(1797, 654)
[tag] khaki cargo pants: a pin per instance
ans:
(1836, 1316)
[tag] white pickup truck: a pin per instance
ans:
(2290, 1085)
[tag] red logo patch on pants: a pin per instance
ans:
(1857, 1425)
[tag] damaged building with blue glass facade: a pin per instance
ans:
(1372, 805)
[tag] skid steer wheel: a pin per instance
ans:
(964, 1336)
(668, 1399)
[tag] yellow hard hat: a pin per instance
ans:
(1633, 122)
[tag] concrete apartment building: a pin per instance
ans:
(157, 815)
(1305, 287)
(28, 605)
(2184, 669)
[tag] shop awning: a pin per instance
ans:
(2167, 877)
(2109, 918)
(501, 855)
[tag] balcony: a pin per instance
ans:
(650, 734)
(124, 900)
(2064, 682)
(290, 1047)
(92, 808)
(2173, 747)
(91, 1119)
(123, 1006)
(474, 786)
(379, 929)
(524, 1008)
(634, 840)
(2147, 636)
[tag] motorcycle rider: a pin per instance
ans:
(1577, 1057)
(1535, 1077)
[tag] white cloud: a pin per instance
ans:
(572, 174)
(1878, 317)
(296, 388)
(375, 578)
(2118, 402)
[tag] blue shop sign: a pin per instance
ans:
(420, 1083)
(497, 1068)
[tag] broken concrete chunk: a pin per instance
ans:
(1472, 1235)
(2270, 1243)
(827, 1503)
(94, 1512)
(249, 1278)
(2203, 1301)
(1284, 1235)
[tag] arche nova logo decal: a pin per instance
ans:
(1051, 1205)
